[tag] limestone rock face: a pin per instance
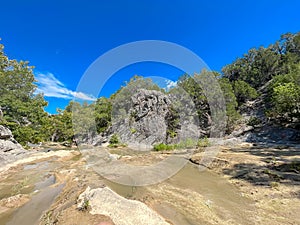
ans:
(145, 121)
(152, 117)
(10, 149)
(5, 133)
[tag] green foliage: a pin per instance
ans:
(60, 126)
(196, 94)
(286, 98)
(276, 67)
(173, 122)
(284, 92)
(23, 110)
(115, 142)
(244, 92)
(114, 139)
(184, 144)
(103, 110)
(163, 147)
(171, 133)
(203, 142)
(133, 130)
(260, 65)
(253, 121)
(231, 104)
(121, 99)
(187, 143)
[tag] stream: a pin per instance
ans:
(187, 198)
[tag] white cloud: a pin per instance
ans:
(50, 86)
(170, 84)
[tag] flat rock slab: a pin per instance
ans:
(121, 210)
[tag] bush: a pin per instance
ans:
(188, 143)
(163, 147)
(244, 92)
(253, 121)
(114, 140)
(203, 142)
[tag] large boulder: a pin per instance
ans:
(10, 149)
(151, 117)
(121, 210)
(145, 121)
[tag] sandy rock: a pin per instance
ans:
(14, 201)
(121, 210)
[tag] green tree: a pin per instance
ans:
(103, 108)
(244, 92)
(231, 104)
(260, 65)
(286, 99)
(23, 109)
(195, 92)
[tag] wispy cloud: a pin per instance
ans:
(50, 86)
(170, 84)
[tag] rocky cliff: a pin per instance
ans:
(10, 149)
(153, 117)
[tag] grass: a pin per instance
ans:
(203, 142)
(117, 145)
(186, 144)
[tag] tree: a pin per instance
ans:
(23, 109)
(193, 89)
(286, 99)
(244, 92)
(260, 65)
(231, 104)
(285, 95)
(103, 108)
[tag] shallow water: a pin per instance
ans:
(36, 179)
(221, 198)
(224, 199)
(30, 213)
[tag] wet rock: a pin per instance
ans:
(121, 210)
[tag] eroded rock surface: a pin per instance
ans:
(10, 149)
(152, 117)
(121, 210)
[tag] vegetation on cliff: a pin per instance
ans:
(270, 73)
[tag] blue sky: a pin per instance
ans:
(62, 38)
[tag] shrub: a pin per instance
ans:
(114, 140)
(253, 121)
(188, 143)
(171, 133)
(162, 147)
(203, 142)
